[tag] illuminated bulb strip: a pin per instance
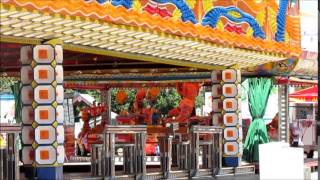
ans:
(30, 16)
(72, 23)
(129, 33)
(167, 55)
(114, 39)
(169, 41)
(182, 57)
(101, 36)
(176, 48)
(50, 21)
(8, 13)
(9, 22)
(41, 18)
(52, 29)
(142, 51)
(82, 41)
(72, 39)
(124, 40)
(14, 31)
(40, 28)
(162, 53)
(4, 19)
(173, 56)
(137, 43)
(44, 35)
(147, 45)
(62, 29)
(72, 31)
(21, 24)
(109, 30)
(23, 32)
(91, 42)
(114, 47)
(116, 32)
(82, 24)
(108, 37)
(133, 49)
(63, 22)
(142, 35)
(106, 44)
(140, 42)
(151, 52)
(82, 33)
(99, 43)
(92, 34)
(2, 11)
(4, 29)
(33, 34)
(65, 38)
(91, 26)
(126, 48)
(152, 46)
(100, 28)
(150, 37)
(156, 39)
(19, 15)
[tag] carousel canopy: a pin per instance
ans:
(308, 95)
(197, 34)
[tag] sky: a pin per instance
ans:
(309, 25)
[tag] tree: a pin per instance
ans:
(167, 100)
(200, 99)
(6, 83)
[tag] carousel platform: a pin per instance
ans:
(79, 168)
(153, 173)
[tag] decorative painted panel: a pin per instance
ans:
(240, 17)
(276, 20)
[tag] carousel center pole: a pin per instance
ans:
(42, 114)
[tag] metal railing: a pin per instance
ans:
(134, 157)
(9, 155)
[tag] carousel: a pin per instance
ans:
(150, 46)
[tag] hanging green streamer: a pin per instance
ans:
(16, 91)
(259, 91)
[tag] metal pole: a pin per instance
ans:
(216, 154)
(112, 154)
(194, 154)
(165, 143)
(109, 106)
(283, 106)
(141, 170)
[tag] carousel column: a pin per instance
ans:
(226, 105)
(42, 97)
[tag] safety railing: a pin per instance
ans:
(9, 155)
(186, 153)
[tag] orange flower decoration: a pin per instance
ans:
(153, 92)
(121, 97)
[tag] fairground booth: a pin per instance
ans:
(146, 45)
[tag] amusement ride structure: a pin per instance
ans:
(50, 46)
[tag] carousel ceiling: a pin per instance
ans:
(85, 66)
(124, 34)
